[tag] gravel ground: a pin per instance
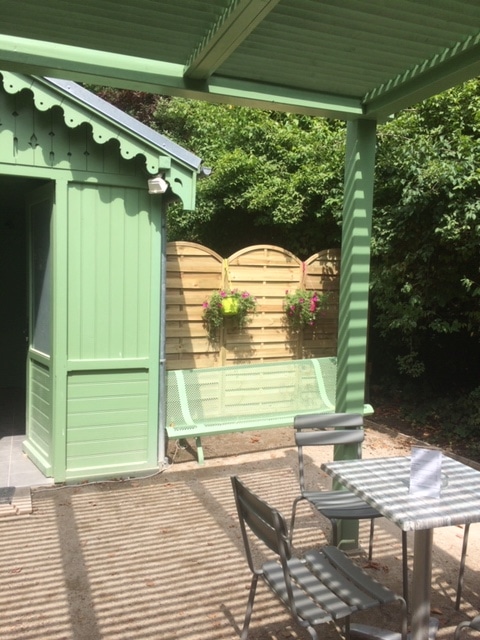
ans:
(162, 557)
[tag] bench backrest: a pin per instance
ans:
(289, 387)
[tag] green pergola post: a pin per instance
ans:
(354, 285)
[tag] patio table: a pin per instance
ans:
(384, 484)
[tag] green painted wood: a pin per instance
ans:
(39, 410)
(59, 334)
(113, 324)
(166, 77)
(101, 317)
(39, 429)
(108, 422)
(40, 139)
(235, 24)
(354, 285)
(355, 272)
(90, 141)
(355, 58)
(110, 258)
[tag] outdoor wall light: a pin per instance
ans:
(157, 185)
(205, 172)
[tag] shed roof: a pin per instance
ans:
(130, 125)
(340, 58)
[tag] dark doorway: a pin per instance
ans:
(14, 302)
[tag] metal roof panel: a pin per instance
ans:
(353, 49)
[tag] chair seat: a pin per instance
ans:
(326, 586)
(341, 505)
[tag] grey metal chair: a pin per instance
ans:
(316, 430)
(467, 624)
(322, 587)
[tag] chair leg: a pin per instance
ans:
(248, 613)
(294, 512)
(346, 628)
(312, 632)
(463, 625)
(405, 567)
(334, 532)
(370, 542)
(461, 570)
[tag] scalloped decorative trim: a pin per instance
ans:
(181, 181)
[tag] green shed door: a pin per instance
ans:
(39, 397)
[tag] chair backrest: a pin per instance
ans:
(328, 421)
(265, 522)
(316, 430)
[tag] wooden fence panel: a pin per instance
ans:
(193, 272)
(267, 272)
(322, 274)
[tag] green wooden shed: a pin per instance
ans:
(82, 266)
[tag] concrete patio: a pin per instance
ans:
(162, 557)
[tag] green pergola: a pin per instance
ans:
(357, 60)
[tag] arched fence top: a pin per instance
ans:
(267, 272)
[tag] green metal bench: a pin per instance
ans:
(216, 400)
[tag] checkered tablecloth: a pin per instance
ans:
(384, 484)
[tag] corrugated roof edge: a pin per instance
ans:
(121, 118)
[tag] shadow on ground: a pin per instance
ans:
(162, 557)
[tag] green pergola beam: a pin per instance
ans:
(234, 25)
(34, 57)
(456, 64)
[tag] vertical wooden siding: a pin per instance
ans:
(112, 321)
(109, 275)
(267, 272)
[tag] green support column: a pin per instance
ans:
(354, 285)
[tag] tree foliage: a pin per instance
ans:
(426, 229)
(276, 178)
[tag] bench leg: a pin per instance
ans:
(198, 443)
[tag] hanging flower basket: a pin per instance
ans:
(224, 304)
(304, 308)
